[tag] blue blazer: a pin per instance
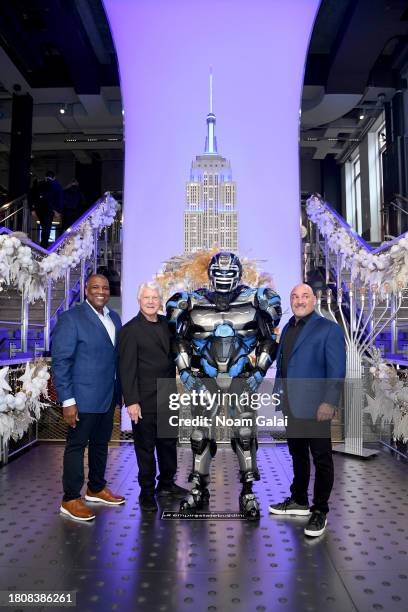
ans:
(84, 361)
(316, 367)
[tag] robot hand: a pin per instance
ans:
(254, 380)
(275, 309)
(191, 381)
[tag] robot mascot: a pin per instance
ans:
(214, 333)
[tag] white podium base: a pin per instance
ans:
(365, 453)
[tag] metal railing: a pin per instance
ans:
(71, 286)
(316, 255)
(395, 216)
(367, 314)
(16, 215)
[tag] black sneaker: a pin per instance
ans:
(172, 490)
(316, 524)
(289, 506)
(147, 502)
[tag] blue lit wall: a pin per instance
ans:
(257, 50)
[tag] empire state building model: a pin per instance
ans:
(210, 218)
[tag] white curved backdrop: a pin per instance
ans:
(257, 51)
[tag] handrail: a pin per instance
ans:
(27, 241)
(17, 214)
(320, 248)
(74, 226)
(382, 248)
(7, 205)
(64, 235)
(398, 207)
(74, 291)
(12, 214)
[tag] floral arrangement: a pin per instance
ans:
(189, 271)
(20, 268)
(371, 268)
(389, 403)
(18, 410)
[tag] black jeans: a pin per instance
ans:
(94, 429)
(146, 441)
(46, 218)
(316, 437)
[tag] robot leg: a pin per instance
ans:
(204, 449)
(245, 446)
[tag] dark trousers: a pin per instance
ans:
(93, 430)
(46, 218)
(146, 441)
(318, 442)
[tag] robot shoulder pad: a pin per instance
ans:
(179, 300)
(267, 297)
(246, 292)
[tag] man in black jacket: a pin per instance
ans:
(144, 359)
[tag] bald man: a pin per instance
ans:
(311, 366)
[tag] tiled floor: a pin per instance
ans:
(128, 561)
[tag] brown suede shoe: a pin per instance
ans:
(105, 497)
(76, 509)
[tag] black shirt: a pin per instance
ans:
(292, 333)
(144, 358)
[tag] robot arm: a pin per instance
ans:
(177, 316)
(269, 310)
(177, 312)
(269, 303)
(183, 363)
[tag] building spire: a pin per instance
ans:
(211, 90)
(211, 141)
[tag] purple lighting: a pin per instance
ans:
(257, 50)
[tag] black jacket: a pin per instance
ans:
(144, 358)
(47, 196)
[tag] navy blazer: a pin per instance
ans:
(316, 367)
(84, 361)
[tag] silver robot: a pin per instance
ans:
(214, 333)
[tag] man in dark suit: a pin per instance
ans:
(48, 199)
(145, 363)
(311, 366)
(85, 373)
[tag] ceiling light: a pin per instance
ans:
(64, 109)
(361, 116)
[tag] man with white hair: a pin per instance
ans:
(145, 360)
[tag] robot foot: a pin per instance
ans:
(248, 504)
(195, 500)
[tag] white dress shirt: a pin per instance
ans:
(110, 328)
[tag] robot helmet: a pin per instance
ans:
(224, 272)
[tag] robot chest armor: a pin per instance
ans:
(242, 318)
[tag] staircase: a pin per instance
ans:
(324, 269)
(25, 329)
(12, 305)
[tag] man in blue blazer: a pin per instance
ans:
(311, 366)
(85, 373)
